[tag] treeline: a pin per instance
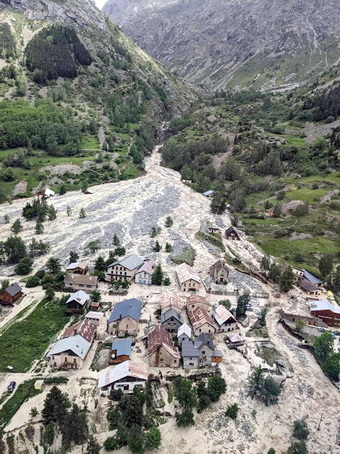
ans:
(324, 106)
(7, 42)
(55, 52)
(40, 125)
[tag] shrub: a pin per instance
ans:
(232, 411)
(300, 430)
(110, 444)
(32, 281)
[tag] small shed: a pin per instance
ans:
(232, 234)
(39, 385)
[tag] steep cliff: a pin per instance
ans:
(262, 43)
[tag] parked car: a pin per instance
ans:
(322, 330)
(11, 386)
(337, 333)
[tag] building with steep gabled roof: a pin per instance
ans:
(11, 294)
(188, 280)
(171, 320)
(124, 269)
(124, 376)
(161, 350)
(77, 302)
(224, 319)
(201, 321)
(124, 318)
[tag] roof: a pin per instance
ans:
(311, 278)
(218, 353)
(77, 344)
(80, 279)
(222, 314)
(83, 328)
(214, 227)
(122, 370)
(131, 262)
(13, 289)
(204, 339)
(157, 338)
(80, 297)
(122, 346)
(94, 314)
(198, 317)
(324, 305)
(189, 349)
(184, 329)
(147, 267)
(48, 192)
(185, 272)
(127, 308)
(171, 313)
(74, 265)
(307, 286)
(219, 265)
(235, 338)
(197, 299)
(231, 230)
(171, 300)
(210, 192)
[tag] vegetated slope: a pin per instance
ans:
(262, 43)
(274, 158)
(80, 103)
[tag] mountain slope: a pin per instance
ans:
(74, 88)
(263, 43)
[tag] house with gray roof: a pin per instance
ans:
(120, 351)
(124, 269)
(201, 352)
(171, 320)
(190, 355)
(77, 302)
(11, 294)
(311, 278)
(183, 333)
(124, 318)
(69, 352)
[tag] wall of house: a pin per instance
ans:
(328, 317)
(171, 325)
(206, 328)
(190, 362)
(162, 358)
(118, 359)
(207, 307)
(126, 386)
(5, 297)
(126, 325)
(65, 360)
(227, 327)
(75, 286)
(189, 285)
(143, 278)
(119, 273)
(206, 356)
(182, 338)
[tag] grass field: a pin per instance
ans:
(27, 340)
(24, 392)
(90, 143)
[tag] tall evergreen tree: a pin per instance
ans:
(55, 407)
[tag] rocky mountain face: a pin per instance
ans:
(239, 43)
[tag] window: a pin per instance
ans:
(203, 352)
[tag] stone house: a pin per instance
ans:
(224, 319)
(11, 294)
(201, 352)
(120, 351)
(80, 282)
(77, 302)
(124, 376)
(232, 234)
(171, 320)
(77, 268)
(190, 355)
(188, 281)
(198, 301)
(161, 350)
(219, 272)
(201, 321)
(94, 317)
(171, 300)
(144, 274)
(183, 334)
(125, 269)
(124, 318)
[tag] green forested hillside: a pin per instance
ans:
(261, 154)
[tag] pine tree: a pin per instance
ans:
(16, 227)
(55, 407)
(74, 428)
(157, 276)
(82, 214)
(39, 227)
(74, 256)
(157, 247)
(68, 210)
(286, 280)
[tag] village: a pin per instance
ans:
(140, 331)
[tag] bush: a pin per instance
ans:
(232, 411)
(300, 430)
(110, 444)
(298, 447)
(32, 281)
(24, 266)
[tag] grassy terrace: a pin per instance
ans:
(26, 340)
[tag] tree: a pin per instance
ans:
(53, 265)
(16, 227)
(62, 190)
(135, 439)
(6, 218)
(286, 280)
(277, 210)
(323, 345)
(155, 231)
(55, 407)
(51, 213)
(92, 247)
(169, 222)
(298, 447)
(300, 430)
(168, 247)
(33, 412)
(271, 451)
(68, 210)
(82, 214)
(232, 411)
(24, 266)
(264, 388)
(116, 240)
(74, 428)
(241, 307)
(326, 265)
(225, 303)
(336, 279)
(96, 296)
(15, 249)
(32, 281)
(331, 366)
(218, 203)
(157, 247)
(216, 387)
(110, 444)
(93, 447)
(185, 419)
(74, 256)
(185, 393)
(265, 263)
(49, 293)
(157, 276)
(120, 251)
(152, 438)
(4, 284)
(39, 227)
(166, 281)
